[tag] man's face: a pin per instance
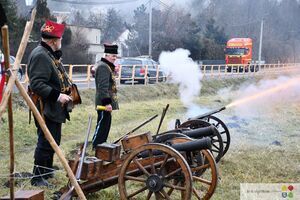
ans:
(111, 57)
(57, 44)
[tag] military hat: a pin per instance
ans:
(111, 48)
(52, 30)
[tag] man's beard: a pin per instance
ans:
(57, 47)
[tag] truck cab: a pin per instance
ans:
(238, 53)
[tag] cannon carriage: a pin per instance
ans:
(149, 170)
(177, 164)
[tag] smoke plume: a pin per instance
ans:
(182, 70)
(268, 94)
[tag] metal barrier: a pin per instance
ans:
(82, 73)
(252, 69)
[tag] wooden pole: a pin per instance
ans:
(42, 124)
(49, 137)
(17, 62)
(5, 43)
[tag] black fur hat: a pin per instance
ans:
(111, 48)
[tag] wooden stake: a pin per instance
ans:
(17, 62)
(13, 80)
(50, 139)
(5, 43)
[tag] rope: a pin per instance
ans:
(53, 171)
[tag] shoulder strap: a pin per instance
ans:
(59, 67)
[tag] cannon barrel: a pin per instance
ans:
(203, 143)
(193, 145)
(208, 113)
(201, 132)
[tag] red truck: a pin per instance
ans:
(238, 54)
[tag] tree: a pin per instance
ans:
(76, 52)
(96, 20)
(78, 19)
(15, 25)
(215, 33)
(138, 38)
(113, 26)
(242, 18)
(174, 28)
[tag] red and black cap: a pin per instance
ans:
(52, 30)
(111, 48)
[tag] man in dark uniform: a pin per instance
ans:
(50, 83)
(106, 93)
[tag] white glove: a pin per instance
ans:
(63, 98)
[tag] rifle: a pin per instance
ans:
(136, 128)
(162, 117)
(82, 151)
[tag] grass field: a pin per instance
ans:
(264, 148)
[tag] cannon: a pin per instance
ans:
(206, 130)
(179, 168)
(206, 120)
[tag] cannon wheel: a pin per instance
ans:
(223, 130)
(204, 171)
(217, 141)
(158, 180)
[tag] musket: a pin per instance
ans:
(136, 128)
(162, 117)
(68, 195)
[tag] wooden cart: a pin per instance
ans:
(147, 170)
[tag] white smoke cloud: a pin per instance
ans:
(183, 71)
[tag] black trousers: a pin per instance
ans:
(43, 155)
(102, 128)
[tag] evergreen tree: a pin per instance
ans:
(78, 19)
(113, 26)
(42, 14)
(138, 38)
(15, 25)
(213, 42)
(215, 33)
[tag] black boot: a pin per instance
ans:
(49, 171)
(38, 179)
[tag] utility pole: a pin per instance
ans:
(150, 29)
(260, 41)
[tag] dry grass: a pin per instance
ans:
(251, 158)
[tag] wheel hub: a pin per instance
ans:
(154, 183)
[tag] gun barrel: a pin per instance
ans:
(79, 169)
(201, 132)
(208, 113)
(203, 143)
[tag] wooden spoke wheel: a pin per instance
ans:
(204, 171)
(217, 141)
(162, 174)
(223, 130)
